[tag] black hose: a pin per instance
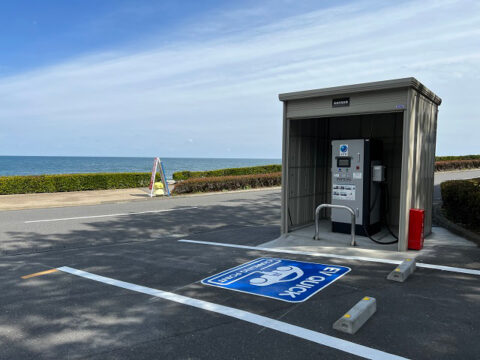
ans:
(377, 241)
(386, 210)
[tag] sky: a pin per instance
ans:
(201, 78)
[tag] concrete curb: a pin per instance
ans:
(402, 271)
(441, 220)
(358, 315)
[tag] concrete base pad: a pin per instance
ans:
(335, 243)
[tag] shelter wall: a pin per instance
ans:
(309, 160)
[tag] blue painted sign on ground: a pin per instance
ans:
(281, 279)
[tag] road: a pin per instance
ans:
(78, 316)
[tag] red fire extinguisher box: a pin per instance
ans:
(415, 229)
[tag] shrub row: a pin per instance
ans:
(71, 182)
(461, 202)
(264, 169)
(457, 165)
(463, 162)
(103, 181)
(462, 157)
(228, 183)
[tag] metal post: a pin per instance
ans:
(348, 208)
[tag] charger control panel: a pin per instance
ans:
(347, 178)
(352, 164)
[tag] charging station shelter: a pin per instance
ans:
(399, 114)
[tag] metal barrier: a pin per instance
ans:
(349, 209)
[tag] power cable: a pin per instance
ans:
(384, 218)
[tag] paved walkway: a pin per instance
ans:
(94, 197)
(74, 198)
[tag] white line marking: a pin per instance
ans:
(110, 215)
(449, 268)
(347, 257)
(314, 336)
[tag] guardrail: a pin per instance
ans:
(349, 209)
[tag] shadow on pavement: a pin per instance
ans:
(145, 227)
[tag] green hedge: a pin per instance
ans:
(103, 181)
(228, 183)
(461, 202)
(443, 163)
(457, 165)
(71, 182)
(265, 169)
(462, 157)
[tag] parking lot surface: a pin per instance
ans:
(137, 292)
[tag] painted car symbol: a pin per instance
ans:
(280, 274)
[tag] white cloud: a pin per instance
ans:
(223, 91)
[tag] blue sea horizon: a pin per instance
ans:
(43, 165)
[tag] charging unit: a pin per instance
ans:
(401, 115)
(354, 185)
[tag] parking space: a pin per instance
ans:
(74, 316)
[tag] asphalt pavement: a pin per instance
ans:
(35, 230)
(61, 315)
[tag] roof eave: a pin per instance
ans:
(365, 87)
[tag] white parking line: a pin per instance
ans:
(110, 215)
(347, 257)
(310, 335)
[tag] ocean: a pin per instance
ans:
(39, 165)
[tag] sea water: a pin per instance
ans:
(39, 165)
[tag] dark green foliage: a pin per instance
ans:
(461, 201)
(71, 182)
(443, 163)
(457, 165)
(265, 169)
(228, 183)
(462, 157)
(103, 181)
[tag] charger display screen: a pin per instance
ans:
(343, 162)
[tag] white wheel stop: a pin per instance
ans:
(403, 271)
(356, 316)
